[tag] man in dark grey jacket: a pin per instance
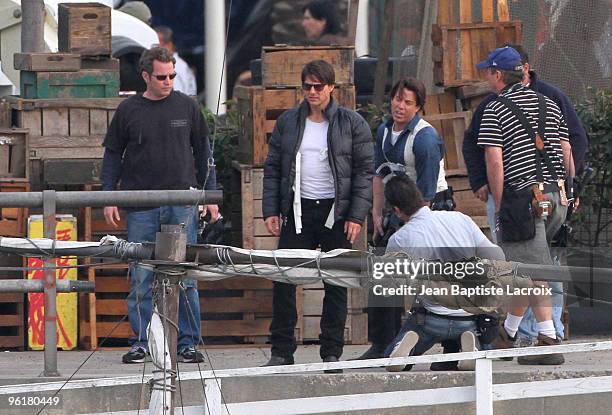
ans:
(318, 185)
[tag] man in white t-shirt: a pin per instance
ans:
(434, 235)
(185, 81)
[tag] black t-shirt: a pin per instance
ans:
(164, 144)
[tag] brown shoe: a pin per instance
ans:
(544, 359)
(503, 340)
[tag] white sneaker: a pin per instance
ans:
(468, 344)
(403, 349)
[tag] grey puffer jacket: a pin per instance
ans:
(351, 150)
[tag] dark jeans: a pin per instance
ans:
(314, 234)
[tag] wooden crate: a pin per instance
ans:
(281, 66)
(14, 154)
(356, 327)
(459, 47)
(103, 63)
(86, 83)
(63, 129)
(47, 62)
(12, 322)
(84, 28)
(472, 95)
(451, 127)
(259, 108)
(13, 221)
(248, 224)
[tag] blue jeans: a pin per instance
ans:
(142, 227)
(527, 328)
(434, 330)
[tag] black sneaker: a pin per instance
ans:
(190, 355)
(137, 354)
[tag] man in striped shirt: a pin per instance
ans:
(510, 155)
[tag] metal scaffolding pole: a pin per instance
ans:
(38, 286)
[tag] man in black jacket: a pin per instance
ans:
(317, 193)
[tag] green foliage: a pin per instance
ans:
(374, 115)
(224, 131)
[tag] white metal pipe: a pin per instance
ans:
(214, 40)
(362, 41)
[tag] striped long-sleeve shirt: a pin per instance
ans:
(500, 128)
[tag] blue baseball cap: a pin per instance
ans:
(506, 58)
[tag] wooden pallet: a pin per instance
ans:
(282, 65)
(258, 109)
(459, 47)
(14, 154)
(467, 203)
(12, 306)
(451, 127)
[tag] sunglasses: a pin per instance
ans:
(163, 77)
(318, 87)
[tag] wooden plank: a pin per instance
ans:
(265, 242)
(467, 70)
(246, 190)
(112, 329)
(444, 11)
(503, 14)
(282, 66)
(237, 304)
(312, 302)
(55, 122)
(11, 320)
(112, 285)
(70, 142)
(109, 64)
(32, 120)
(259, 228)
(111, 307)
(47, 62)
(68, 153)
(487, 10)
(21, 104)
(237, 283)
(79, 122)
(98, 121)
(236, 327)
(473, 90)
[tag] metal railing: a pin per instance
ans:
(50, 200)
(484, 392)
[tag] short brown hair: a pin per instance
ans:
(319, 70)
(509, 77)
(411, 84)
(402, 192)
(154, 54)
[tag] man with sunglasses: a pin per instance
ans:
(317, 191)
(158, 140)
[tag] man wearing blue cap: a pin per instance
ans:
(475, 162)
(528, 155)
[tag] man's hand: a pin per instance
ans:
(576, 205)
(351, 229)
(377, 219)
(214, 212)
(482, 193)
(273, 225)
(111, 215)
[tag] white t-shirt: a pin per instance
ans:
(394, 136)
(317, 181)
(185, 81)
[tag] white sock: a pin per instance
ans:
(546, 328)
(512, 324)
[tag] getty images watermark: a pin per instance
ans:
(390, 276)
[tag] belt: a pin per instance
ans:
(550, 188)
(425, 311)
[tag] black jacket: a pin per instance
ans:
(351, 150)
(474, 155)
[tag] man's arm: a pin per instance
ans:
(200, 143)
(495, 173)
(362, 170)
(378, 203)
(271, 199)
(428, 151)
(578, 137)
(473, 155)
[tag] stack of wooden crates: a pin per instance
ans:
(13, 178)
(462, 38)
(83, 67)
(258, 108)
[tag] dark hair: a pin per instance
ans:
(411, 84)
(320, 9)
(521, 51)
(154, 54)
(165, 31)
(401, 192)
(509, 77)
(319, 70)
